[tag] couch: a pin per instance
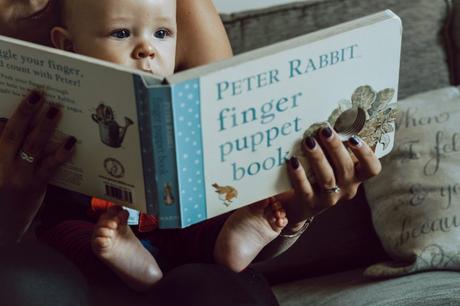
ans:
(325, 266)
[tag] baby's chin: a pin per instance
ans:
(158, 71)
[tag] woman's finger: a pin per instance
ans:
(14, 132)
(50, 164)
(300, 182)
(39, 137)
(319, 164)
(342, 163)
(368, 164)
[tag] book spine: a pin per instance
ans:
(145, 132)
(164, 153)
(189, 149)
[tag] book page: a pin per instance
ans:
(98, 105)
(254, 115)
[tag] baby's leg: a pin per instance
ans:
(247, 231)
(116, 245)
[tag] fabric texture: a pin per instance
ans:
(454, 35)
(192, 285)
(437, 288)
(34, 275)
(424, 61)
(415, 200)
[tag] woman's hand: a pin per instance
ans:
(24, 168)
(337, 175)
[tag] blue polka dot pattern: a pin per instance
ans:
(186, 107)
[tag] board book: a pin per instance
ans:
(208, 140)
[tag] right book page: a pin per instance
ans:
(255, 113)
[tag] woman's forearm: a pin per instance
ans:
(201, 35)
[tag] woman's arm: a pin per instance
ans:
(29, 20)
(201, 35)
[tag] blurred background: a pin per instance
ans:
(232, 6)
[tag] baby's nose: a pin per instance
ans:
(143, 50)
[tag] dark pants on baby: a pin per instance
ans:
(185, 256)
(35, 275)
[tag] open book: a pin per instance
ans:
(212, 139)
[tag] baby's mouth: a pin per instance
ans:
(146, 67)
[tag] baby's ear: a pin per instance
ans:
(61, 39)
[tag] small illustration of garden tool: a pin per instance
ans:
(110, 132)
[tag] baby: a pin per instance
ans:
(142, 34)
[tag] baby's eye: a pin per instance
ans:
(161, 33)
(120, 34)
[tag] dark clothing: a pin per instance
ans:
(34, 275)
(67, 227)
(185, 257)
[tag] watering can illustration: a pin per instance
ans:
(110, 132)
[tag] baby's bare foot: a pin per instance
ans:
(116, 245)
(247, 231)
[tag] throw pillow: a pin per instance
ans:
(415, 201)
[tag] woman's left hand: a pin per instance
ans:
(337, 175)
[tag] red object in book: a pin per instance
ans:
(98, 207)
(147, 223)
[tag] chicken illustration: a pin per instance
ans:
(226, 193)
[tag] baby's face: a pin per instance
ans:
(139, 34)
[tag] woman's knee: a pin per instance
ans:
(210, 284)
(33, 274)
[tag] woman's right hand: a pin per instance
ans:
(24, 168)
(337, 173)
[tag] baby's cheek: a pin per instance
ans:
(164, 65)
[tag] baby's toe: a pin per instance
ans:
(123, 216)
(276, 205)
(281, 223)
(101, 243)
(103, 232)
(106, 222)
(280, 214)
(277, 221)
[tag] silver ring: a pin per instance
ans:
(27, 157)
(335, 189)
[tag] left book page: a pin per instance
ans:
(99, 102)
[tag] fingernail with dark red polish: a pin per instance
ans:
(3, 120)
(34, 98)
(326, 132)
(355, 141)
(70, 143)
(52, 112)
(310, 142)
(294, 163)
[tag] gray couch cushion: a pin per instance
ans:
(424, 63)
(351, 288)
